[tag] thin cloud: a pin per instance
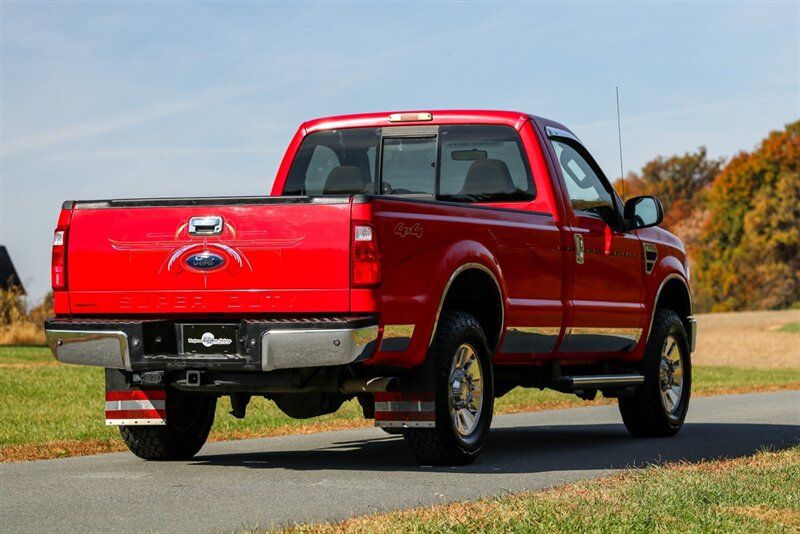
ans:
(121, 121)
(737, 102)
(176, 152)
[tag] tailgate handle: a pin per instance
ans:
(205, 225)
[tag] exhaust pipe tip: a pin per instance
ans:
(380, 384)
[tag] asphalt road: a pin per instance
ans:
(330, 476)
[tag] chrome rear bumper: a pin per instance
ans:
(262, 345)
(90, 347)
(291, 349)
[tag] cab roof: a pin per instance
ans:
(514, 119)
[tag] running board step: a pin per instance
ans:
(578, 383)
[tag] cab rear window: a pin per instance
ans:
(459, 163)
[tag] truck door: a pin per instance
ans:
(606, 298)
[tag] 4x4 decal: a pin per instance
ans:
(404, 231)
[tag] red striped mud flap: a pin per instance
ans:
(136, 407)
(405, 410)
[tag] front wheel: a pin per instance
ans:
(464, 394)
(189, 420)
(658, 407)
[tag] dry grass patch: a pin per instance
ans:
(22, 333)
(748, 339)
(789, 518)
(48, 450)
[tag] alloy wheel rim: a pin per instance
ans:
(670, 376)
(466, 390)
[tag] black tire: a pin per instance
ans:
(653, 410)
(446, 444)
(189, 420)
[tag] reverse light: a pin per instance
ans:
(58, 272)
(367, 271)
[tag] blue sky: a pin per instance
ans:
(110, 100)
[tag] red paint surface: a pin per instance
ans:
(136, 414)
(298, 257)
(137, 394)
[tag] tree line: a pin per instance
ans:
(738, 220)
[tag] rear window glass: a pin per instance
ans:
(460, 163)
(335, 162)
(409, 165)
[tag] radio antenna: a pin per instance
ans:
(619, 134)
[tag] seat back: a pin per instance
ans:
(346, 180)
(488, 176)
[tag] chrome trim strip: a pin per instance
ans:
(101, 348)
(606, 380)
(658, 294)
(405, 406)
(453, 276)
(628, 333)
(291, 349)
(397, 337)
(117, 405)
(405, 424)
(126, 422)
(599, 339)
(523, 339)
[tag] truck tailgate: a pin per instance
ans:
(212, 256)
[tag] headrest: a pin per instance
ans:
(488, 176)
(347, 179)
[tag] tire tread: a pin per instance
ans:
(438, 446)
(643, 414)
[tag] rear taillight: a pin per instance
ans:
(58, 273)
(366, 256)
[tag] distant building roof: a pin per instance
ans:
(8, 275)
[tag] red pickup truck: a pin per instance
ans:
(423, 263)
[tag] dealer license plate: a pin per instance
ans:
(209, 338)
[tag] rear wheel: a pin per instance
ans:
(659, 406)
(189, 420)
(464, 394)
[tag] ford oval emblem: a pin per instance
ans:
(205, 261)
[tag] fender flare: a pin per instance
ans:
(461, 269)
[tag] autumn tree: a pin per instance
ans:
(750, 258)
(679, 182)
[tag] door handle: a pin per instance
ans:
(579, 250)
(204, 226)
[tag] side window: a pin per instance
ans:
(483, 163)
(322, 162)
(409, 165)
(586, 190)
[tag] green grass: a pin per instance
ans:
(66, 402)
(41, 400)
(752, 494)
(793, 328)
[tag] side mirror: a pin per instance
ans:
(643, 212)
